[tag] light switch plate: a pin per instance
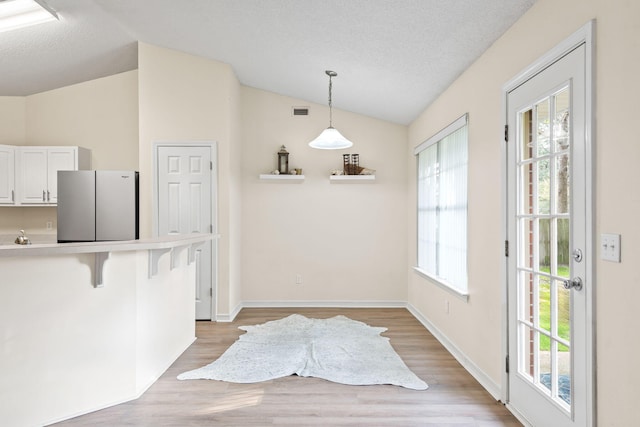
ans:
(610, 247)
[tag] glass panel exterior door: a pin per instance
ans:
(543, 224)
(549, 372)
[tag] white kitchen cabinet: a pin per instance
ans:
(37, 171)
(7, 175)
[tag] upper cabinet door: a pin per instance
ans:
(33, 175)
(38, 172)
(58, 159)
(7, 181)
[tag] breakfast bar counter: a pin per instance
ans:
(85, 326)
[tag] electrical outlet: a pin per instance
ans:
(49, 225)
(610, 247)
(298, 279)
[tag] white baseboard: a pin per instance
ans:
(308, 304)
(231, 316)
(324, 304)
(491, 386)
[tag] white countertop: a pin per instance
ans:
(46, 244)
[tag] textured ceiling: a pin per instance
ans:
(393, 57)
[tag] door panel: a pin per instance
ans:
(184, 206)
(546, 226)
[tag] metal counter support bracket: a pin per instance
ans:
(154, 256)
(100, 259)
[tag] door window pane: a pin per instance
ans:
(544, 190)
(526, 126)
(562, 184)
(543, 141)
(561, 124)
(564, 312)
(562, 249)
(544, 245)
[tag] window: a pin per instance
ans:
(442, 206)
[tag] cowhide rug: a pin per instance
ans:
(337, 349)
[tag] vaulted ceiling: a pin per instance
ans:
(393, 57)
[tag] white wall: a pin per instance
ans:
(475, 327)
(347, 241)
(186, 98)
(69, 348)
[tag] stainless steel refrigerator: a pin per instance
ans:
(98, 206)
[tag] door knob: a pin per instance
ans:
(575, 283)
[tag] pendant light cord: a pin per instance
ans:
(330, 104)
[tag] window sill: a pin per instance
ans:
(464, 296)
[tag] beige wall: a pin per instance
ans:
(13, 122)
(101, 115)
(348, 241)
(186, 98)
(475, 326)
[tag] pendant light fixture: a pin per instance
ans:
(330, 138)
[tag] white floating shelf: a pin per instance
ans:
(282, 177)
(352, 178)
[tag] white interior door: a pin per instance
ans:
(549, 368)
(185, 206)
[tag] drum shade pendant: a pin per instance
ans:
(330, 138)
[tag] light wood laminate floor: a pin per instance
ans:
(454, 397)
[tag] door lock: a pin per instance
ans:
(575, 283)
(577, 255)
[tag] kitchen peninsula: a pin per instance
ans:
(89, 325)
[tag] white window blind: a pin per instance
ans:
(442, 205)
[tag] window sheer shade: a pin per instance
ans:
(442, 205)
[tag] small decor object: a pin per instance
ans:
(22, 239)
(283, 160)
(351, 164)
(330, 138)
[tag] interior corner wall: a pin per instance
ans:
(346, 243)
(235, 197)
(475, 327)
(185, 98)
